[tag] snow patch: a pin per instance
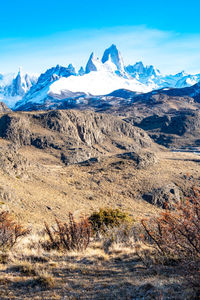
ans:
(97, 83)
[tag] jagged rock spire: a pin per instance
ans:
(113, 54)
(92, 64)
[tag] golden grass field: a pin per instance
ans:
(52, 189)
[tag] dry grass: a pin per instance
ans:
(109, 268)
(54, 190)
(45, 280)
(25, 268)
(91, 274)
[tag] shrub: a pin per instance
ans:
(177, 232)
(108, 217)
(175, 237)
(124, 235)
(10, 231)
(71, 236)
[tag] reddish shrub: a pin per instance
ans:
(175, 235)
(71, 236)
(177, 232)
(10, 231)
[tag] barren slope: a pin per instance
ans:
(56, 162)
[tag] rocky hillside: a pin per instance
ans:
(40, 146)
(54, 162)
(175, 129)
(147, 111)
(73, 136)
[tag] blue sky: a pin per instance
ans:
(39, 34)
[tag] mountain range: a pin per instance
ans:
(100, 81)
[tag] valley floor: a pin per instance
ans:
(92, 274)
(53, 190)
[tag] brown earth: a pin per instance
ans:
(55, 162)
(50, 189)
(46, 172)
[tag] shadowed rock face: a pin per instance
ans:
(76, 136)
(176, 130)
(180, 124)
(15, 128)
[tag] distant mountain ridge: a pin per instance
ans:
(99, 77)
(14, 87)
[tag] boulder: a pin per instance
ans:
(143, 159)
(165, 196)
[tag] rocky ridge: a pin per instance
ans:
(74, 136)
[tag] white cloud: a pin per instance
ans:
(169, 51)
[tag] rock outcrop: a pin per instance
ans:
(179, 129)
(165, 196)
(143, 159)
(15, 128)
(77, 136)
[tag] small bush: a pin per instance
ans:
(124, 235)
(177, 232)
(108, 217)
(71, 236)
(175, 237)
(10, 231)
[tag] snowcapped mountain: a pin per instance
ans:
(40, 92)
(141, 72)
(20, 85)
(113, 56)
(99, 77)
(149, 75)
(93, 64)
(111, 62)
(188, 80)
(81, 71)
(13, 88)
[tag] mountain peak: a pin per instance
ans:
(151, 70)
(113, 54)
(139, 63)
(181, 74)
(113, 47)
(81, 71)
(20, 84)
(138, 69)
(20, 71)
(93, 64)
(71, 68)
